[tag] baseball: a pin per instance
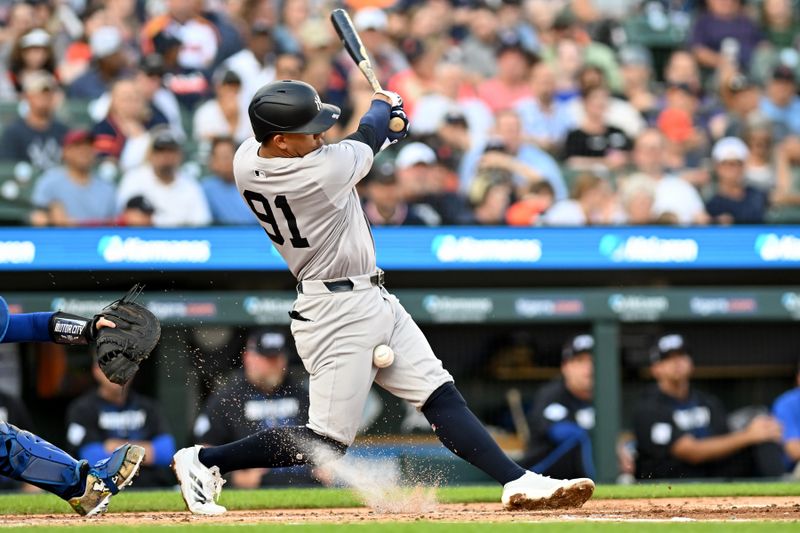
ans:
(382, 356)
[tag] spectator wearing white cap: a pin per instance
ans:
(108, 64)
(387, 59)
(734, 202)
(421, 186)
(32, 52)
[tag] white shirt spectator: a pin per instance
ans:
(253, 74)
(677, 196)
(565, 213)
(209, 122)
(432, 108)
(180, 203)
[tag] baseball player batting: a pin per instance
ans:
(303, 193)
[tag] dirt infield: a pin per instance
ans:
(667, 509)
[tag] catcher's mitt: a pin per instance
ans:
(121, 349)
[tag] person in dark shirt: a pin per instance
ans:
(37, 137)
(563, 415)
(682, 432)
(258, 396)
(724, 33)
(102, 419)
(734, 202)
(594, 142)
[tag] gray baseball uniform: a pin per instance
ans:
(310, 209)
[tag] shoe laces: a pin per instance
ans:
(216, 481)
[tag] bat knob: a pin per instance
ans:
(397, 124)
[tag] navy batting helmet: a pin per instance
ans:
(289, 106)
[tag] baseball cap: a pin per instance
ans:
(165, 40)
(38, 81)
(667, 345)
(583, 343)
(382, 173)
(35, 38)
(141, 203)
(783, 73)
(164, 139)
(370, 18)
(77, 136)
(635, 55)
(415, 154)
(268, 342)
(730, 149)
(227, 77)
(105, 41)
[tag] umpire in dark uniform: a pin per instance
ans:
(563, 415)
(682, 432)
(258, 396)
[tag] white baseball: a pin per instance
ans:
(382, 356)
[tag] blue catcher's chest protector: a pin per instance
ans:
(26, 457)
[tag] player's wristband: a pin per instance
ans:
(71, 329)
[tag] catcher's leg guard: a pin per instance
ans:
(26, 457)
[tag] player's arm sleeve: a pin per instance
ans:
(346, 163)
(787, 411)
(163, 449)
(373, 126)
(28, 327)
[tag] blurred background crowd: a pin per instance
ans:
(523, 112)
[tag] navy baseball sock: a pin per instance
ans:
(273, 448)
(463, 434)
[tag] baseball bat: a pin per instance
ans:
(352, 43)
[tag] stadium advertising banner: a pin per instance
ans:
(446, 248)
(455, 306)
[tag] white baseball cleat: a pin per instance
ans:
(533, 491)
(200, 485)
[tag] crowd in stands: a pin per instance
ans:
(523, 112)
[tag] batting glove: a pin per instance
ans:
(394, 136)
(397, 101)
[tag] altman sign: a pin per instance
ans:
(641, 249)
(17, 252)
(452, 249)
(773, 247)
(115, 249)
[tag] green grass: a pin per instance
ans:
(146, 501)
(438, 527)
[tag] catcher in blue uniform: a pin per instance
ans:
(121, 342)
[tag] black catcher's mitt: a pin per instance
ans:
(121, 349)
